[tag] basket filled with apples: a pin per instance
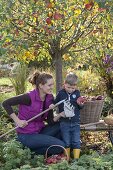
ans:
(109, 118)
(92, 109)
(53, 159)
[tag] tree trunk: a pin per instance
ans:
(58, 70)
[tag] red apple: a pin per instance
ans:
(101, 9)
(81, 99)
(20, 22)
(48, 21)
(49, 161)
(57, 16)
(99, 97)
(49, 5)
(93, 98)
(59, 157)
(89, 5)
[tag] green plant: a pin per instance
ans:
(14, 156)
(108, 104)
(89, 83)
(19, 77)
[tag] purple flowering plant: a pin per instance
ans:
(108, 63)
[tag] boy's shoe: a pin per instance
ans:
(76, 153)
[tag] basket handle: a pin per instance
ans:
(110, 111)
(46, 154)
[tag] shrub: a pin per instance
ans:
(89, 83)
(19, 77)
(14, 156)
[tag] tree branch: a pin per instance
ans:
(84, 49)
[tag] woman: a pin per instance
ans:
(35, 134)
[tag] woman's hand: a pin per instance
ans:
(51, 106)
(18, 122)
(21, 123)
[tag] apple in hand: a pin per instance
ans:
(81, 100)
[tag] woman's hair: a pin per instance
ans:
(39, 78)
(71, 79)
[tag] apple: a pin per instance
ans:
(89, 5)
(81, 99)
(48, 21)
(33, 30)
(50, 5)
(54, 161)
(99, 97)
(93, 98)
(57, 16)
(101, 9)
(20, 22)
(49, 160)
(58, 157)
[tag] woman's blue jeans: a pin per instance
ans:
(39, 142)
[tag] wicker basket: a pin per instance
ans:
(91, 112)
(109, 118)
(56, 158)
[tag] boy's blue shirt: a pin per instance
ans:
(62, 94)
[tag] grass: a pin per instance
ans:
(6, 82)
(88, 84)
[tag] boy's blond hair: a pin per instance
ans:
(71, 79)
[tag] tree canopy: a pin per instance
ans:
(53, 29)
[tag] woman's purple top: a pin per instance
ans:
(27, 111)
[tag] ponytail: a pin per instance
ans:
(39, 78)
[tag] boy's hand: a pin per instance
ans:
(81, 100)
(62, 114)
(51, 106)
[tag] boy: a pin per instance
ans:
(70, 123)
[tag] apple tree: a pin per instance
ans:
(48, 29)
(100, 56)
